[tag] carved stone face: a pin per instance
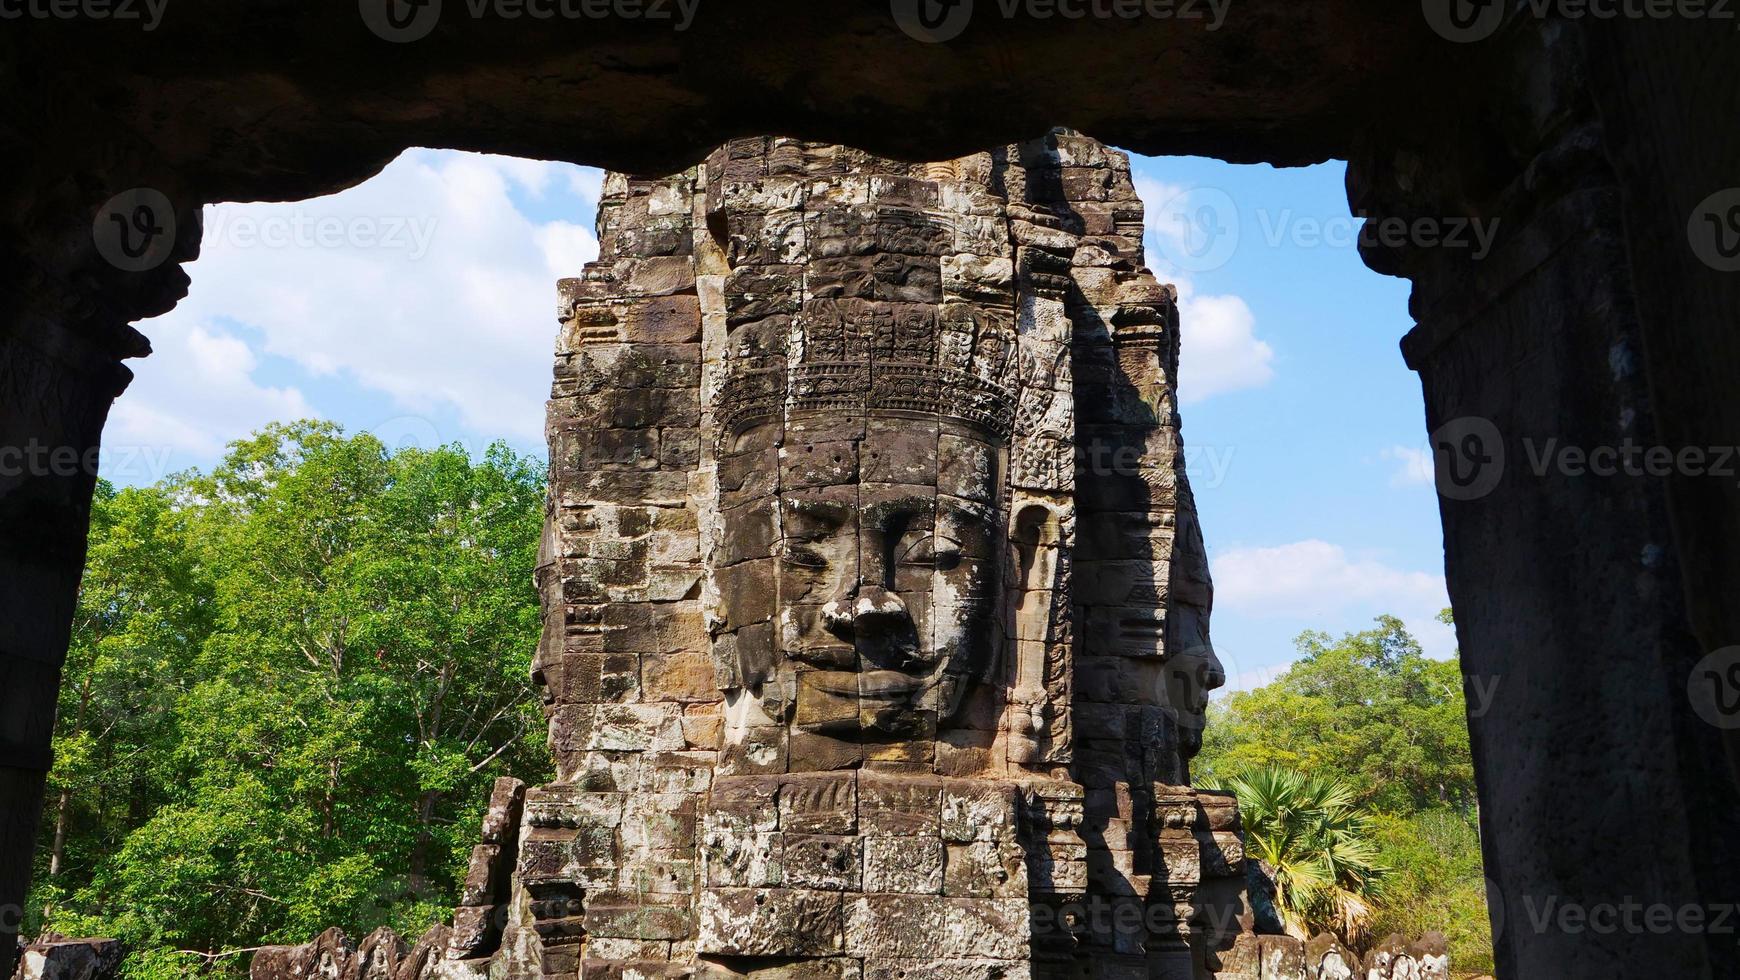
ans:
(886, 548)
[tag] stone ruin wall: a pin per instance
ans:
(876, 610)
(704, 837)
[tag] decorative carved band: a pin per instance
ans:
(848, 388)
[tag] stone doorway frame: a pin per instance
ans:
(1594, 143)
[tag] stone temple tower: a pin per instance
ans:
(875, 607)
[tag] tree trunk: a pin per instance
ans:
(61, 809)
(328, 822)
(63, 806)
(425, 839)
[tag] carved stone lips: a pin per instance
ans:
(829, 657)
(877, 685)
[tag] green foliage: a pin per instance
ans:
(1318, 845)
(1370, 708)
(291, 683)
(1371, 713)
(1436, 882)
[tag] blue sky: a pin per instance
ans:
(420, 305)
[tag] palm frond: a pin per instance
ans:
(1311, 832)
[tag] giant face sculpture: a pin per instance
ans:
(887, 578)
(861, 528)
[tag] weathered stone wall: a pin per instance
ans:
(876, 611)
(875, 608)
(774, 342)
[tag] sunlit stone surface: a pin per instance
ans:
(876, 610)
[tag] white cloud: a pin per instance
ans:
(1321, 583)
(1190, 231)
(427, 283)
(1414, 466)
(169, 417)
(1160, 208)
(1219, 351)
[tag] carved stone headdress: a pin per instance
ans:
(860, 359)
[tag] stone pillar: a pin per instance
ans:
(54, 397)
(72, 291)
(1599, 786)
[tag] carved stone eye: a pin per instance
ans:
(802, 556)
(933, 551)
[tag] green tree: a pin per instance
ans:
(1370, 709)
(1436, 882)
(1372, 712)
(144, 609)
(341, 648)
(1317, 844)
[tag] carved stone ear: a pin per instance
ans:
(1034, 537)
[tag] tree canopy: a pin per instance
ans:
(1382, 729)
(1370, 708)
(291, 684)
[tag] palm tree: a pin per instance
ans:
(1310, 832)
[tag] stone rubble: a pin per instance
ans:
(70, 959)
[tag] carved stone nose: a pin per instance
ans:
(871, 609)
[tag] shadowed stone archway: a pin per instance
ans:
(1594, 144)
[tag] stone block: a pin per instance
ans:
(823, 862)
(985, 869)
(932, 969)
(823, 803)
(902, 927)
(769, 922)
(977, 811)
(100, 959)
(636, 916)
(476, 931)
(501, 818)
(899, 805)
(903, 865)
(481, 876)
(683, 677)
